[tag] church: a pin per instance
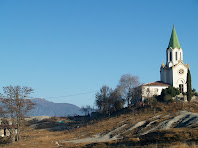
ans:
(172, 73)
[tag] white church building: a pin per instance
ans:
(173, 73)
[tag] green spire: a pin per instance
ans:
(174, 42)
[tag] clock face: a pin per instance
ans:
(181, 71)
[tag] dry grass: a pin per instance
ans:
(41, 138)
(183, 145)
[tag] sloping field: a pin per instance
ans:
(138, 128)
(182, 119)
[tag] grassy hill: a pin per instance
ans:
(173, 125)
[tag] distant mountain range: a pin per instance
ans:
(47, 108)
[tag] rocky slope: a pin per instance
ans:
(141, 129)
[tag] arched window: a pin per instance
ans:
(181, 88)
(170, 56)
(176, 56)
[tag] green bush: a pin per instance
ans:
(168, 98)
(153, 100)
(167, 94)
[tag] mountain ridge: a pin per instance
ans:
(44, 107)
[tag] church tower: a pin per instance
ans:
(175, 71)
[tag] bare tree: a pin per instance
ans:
(103, 99)
(109, 100)
(137, 94)
(87, 109)
(117, 100)
(15, 106)
(126, 85)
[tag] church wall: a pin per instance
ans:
(169, 62)
(169, 76)
(174, 56)
(174, 59)
(153, 90)
(181, 54)
(162, 76)
(166, 75)
(180, 78)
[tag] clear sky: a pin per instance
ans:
(67, 49)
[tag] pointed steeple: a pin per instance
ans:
(174, 42)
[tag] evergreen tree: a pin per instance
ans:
(168, 93)
(189, 89)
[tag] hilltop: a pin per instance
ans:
(172, 124)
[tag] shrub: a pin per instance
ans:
(168, 98)
(167, 94)
(153, 100)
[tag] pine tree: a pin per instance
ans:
(189, 89)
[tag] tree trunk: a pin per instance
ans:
(128, 102)
(154, 111)
(12, 134)
(18, 133)
(133, 111)
(18, 128)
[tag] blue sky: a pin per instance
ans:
(69, 47)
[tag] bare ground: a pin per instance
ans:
(128, 129)
(183, 119)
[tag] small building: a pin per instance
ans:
(6, 126)
(5, 130)
(153, 88)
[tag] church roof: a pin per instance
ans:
(174, 42)
(181, 62)
(157, 83)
